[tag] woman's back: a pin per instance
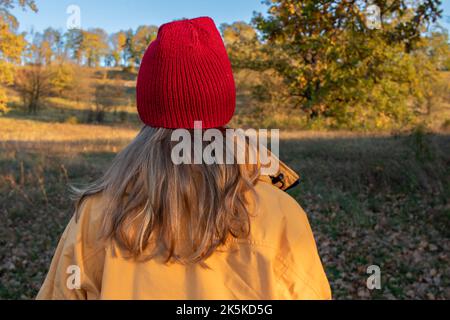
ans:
(278, 261)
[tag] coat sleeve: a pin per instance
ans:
(76, 268)
(303, 276)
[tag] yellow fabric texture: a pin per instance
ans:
(278, 261)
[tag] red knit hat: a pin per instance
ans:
(186, 76)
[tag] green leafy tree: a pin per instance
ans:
(336, 66)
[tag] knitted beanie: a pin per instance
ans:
(186, 76)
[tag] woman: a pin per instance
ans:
(154, 229)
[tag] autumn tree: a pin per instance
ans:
(87, 46)
(141, 39)
(73, 45)
(243, 46)
(94, 46)
(254, 76)
(117, 43)
(438, 46)
(63, 77)
(33, 83)
(46, 47)
(337, 65)
(136, 44)
(12, 44)
(431, 89)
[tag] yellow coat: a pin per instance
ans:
(278, 261)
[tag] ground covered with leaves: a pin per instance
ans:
(371, 200)
(379, 201)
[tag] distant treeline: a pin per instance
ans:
(91, 48)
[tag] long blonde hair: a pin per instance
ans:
(180, 212)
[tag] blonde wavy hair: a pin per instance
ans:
(182, 213)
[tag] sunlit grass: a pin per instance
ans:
(29, 130)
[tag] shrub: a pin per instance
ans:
(446, 124)
(71, 120)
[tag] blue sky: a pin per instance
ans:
(115, 15)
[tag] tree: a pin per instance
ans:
(46, 47)
(143, 36)
(438, 48)
(63, 76)
(94, 46)
(243, 46)
(336, 65)
(73, 45)
(433, 53)
(11, 44)
(91, 47)
(136, 44)
(117, 42)
(54, 41)
(87, 47)
(33, 83)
